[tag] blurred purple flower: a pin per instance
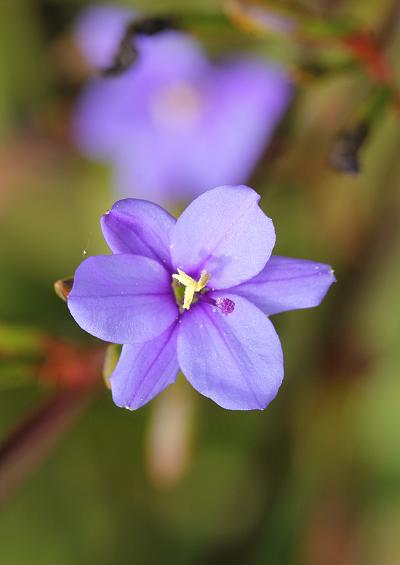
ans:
(193, 294)
(174, 124)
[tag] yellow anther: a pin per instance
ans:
(192, 286)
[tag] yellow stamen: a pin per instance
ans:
(192, 286)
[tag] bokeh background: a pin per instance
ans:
(315, 478)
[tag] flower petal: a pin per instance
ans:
(139, 227)
(122, 298)
(144, 370)
(99, 31)
(113, 117)
(247, 96)
(236, 360)
(287, 284)
(242, 95)
(225, 233)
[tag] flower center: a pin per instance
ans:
(187, 289)
(191, 287)
(176, 106)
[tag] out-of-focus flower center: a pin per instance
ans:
(191, 286)
(177, 106)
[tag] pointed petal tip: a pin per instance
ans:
(238, 406)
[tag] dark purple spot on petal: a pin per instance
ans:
(226, 305)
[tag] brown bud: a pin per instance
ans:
(63, 287)
(127, 54)
(124, 58)
(344, 156)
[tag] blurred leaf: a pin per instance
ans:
(15, 374)
(220, 487)
(23, 70)
(19, 340)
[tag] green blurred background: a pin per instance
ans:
(315, 478)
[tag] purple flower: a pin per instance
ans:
(174, 124)
(194, 294)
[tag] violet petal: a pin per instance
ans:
(144, 370)
(287, 284)
(122, 298)
(236, 360)
(225, 233)
(139, 227)
(113, 117)
(245, 96)
(169, 125)
(99, 31)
